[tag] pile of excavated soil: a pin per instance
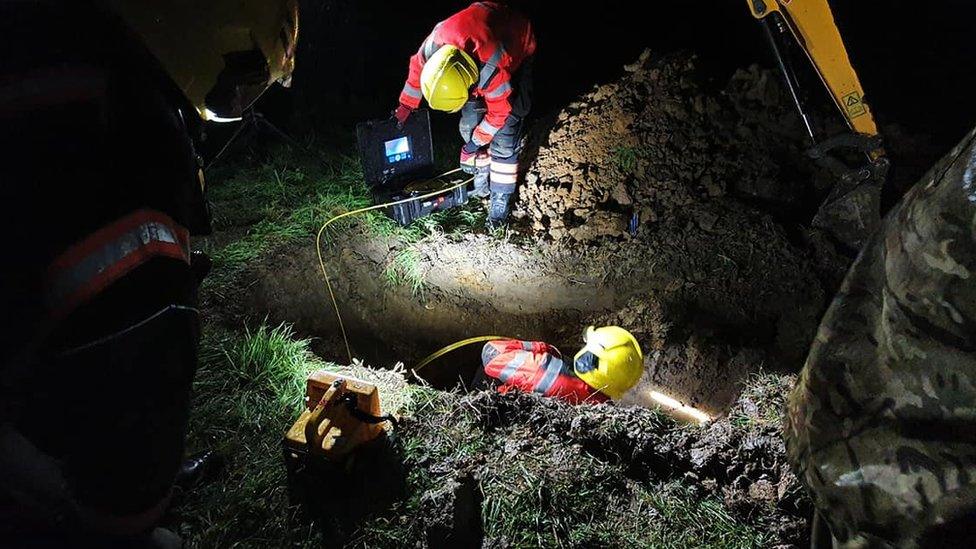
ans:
(657, 146)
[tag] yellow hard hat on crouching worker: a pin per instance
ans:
(447, 78)
(222, 54)
(611, 361)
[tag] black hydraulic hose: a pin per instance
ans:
(785, 67)
(351, 404)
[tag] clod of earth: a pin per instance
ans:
(502, 470)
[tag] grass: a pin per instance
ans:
(406, 269)
(248, 390)
(762, 402)
(625, 158)
(286, 197)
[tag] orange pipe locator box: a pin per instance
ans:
(398, 165)
(341, 414)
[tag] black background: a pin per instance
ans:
(914, 58)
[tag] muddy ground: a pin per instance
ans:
(657, 202)
(490, 470)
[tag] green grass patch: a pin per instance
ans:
(287, 196)
(626, 158)
(762, 402)
(249, 389)
(406, 269)
(284, 199)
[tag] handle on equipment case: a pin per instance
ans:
(314, 435)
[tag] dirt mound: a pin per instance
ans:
(656, 147)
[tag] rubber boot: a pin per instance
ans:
(498, 211)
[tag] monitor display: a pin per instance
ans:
(398, 150)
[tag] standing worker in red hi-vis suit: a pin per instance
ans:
(609, 364)
(478, 62)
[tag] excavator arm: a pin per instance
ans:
(810, 24)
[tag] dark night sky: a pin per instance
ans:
(915, 63)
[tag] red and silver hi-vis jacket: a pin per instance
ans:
(499, 39)
(535, 367)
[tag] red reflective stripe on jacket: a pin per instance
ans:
(495, 36)
(523, 366)
(108, 254)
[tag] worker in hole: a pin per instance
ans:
(103, 111)
(609, 364)
(478, 62)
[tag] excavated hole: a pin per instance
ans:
(480, 286)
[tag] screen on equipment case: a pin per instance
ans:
(398, 150)
(395, 159)
(392, 156)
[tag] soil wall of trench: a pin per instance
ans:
(678, 212)
(700, 338)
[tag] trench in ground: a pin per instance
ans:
(484, 286)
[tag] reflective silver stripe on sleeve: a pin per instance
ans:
(527, 345)
(499, 91)
(108, 255)
(488, 71)
(554, 365)
(412, 91)
(487, 128)
(430, 46)
(513, 365)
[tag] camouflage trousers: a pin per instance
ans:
(881, 427)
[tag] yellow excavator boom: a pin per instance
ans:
(851, 210)
(811, 22)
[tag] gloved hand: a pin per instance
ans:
(469, 154)
(401, 114)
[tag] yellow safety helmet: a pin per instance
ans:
(447, 77)
(611, 361)
(222, 54)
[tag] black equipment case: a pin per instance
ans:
(398, 164)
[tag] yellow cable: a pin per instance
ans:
(456, 345)
(318, 243)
